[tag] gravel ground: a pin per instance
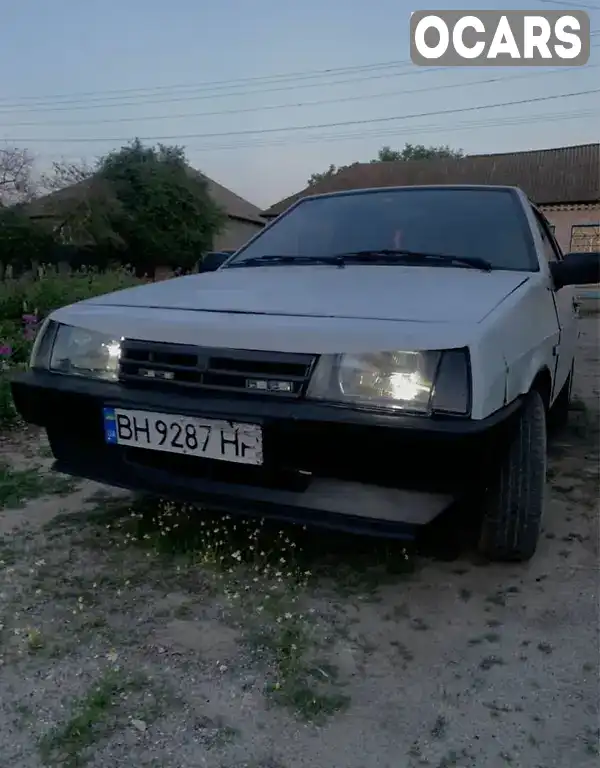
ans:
(146, 635)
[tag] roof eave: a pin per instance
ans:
(588, 201)
(246, 219)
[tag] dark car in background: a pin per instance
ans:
(211, 258)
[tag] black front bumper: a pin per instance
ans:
(301, 440)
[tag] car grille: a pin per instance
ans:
(160, 365)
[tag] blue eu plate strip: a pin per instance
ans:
(110, 425)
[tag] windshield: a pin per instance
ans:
(471, 223)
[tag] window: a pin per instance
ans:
(551, 249)
(585, 237)
(488, 223)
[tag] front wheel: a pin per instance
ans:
(514, 500)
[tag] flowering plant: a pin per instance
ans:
(16, 341)
(5, 353)
(30, 326)
(26, 302)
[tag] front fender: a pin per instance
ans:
(523, 333)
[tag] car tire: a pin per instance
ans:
(558, 415)
(514, 500)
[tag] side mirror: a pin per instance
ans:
(212, 261)
(576, 269)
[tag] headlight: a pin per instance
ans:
(42, 346)
(419, 382)
(78, 352)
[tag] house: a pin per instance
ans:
(564, 182)
(72, 204)
(243, 218)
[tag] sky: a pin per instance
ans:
(237, 82)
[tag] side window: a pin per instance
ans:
(551, 249)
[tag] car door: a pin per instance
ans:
(567, 309)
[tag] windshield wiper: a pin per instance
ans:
(398, 255)
(257, 261)
(375, 256)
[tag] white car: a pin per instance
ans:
(367, 360)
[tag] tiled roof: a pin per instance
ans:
(560, 175)
(56, 203)
(236, 206)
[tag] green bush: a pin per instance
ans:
(53, 289)
(26, 301)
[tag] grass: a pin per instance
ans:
(214, 733)
(357, 565)
(35, 640)
(8, 554)
(403, 651)
(591, 741)
(488, 637)
(306, 686)
(491, 661)
(309, 703)
(17, 486)
(94, 718)
(497, 598)
(450, 760)
(438, 731)
(262, 572)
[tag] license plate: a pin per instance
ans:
(188, 435)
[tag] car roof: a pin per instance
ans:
(420, 188)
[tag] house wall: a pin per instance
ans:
(577, 228)
(566, 218)
(235, 234)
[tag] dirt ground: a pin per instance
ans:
(138, 634)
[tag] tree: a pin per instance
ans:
(387, 154)
(17, 184)
(65, 174)
(163, 212)
(333, 170)
(417, 152)
(22, 243)
(80, 216)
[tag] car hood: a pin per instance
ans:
(377, 292)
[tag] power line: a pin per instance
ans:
(47, 107)
(572, 5)
(199, 91)
(235, 82)
(290, 105)
(210, 84)
(382, 132)
(395, 132)
(266, 79)
(261, 131)
(236, 88)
